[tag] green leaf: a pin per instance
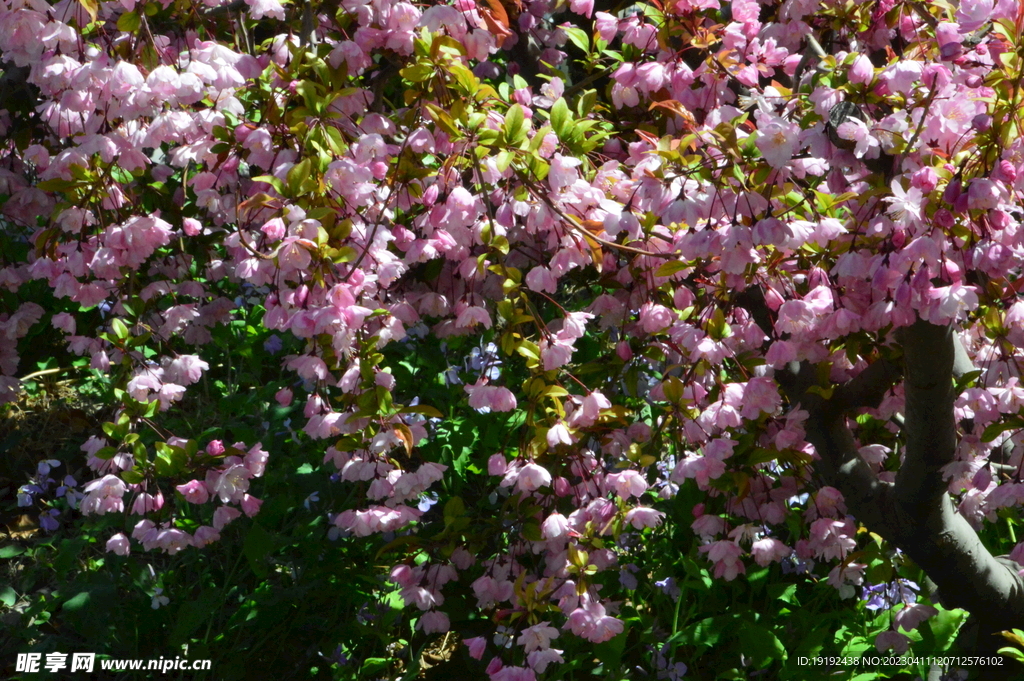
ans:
(56, 184)
(272, 181)
(610, 652)
(994, 430)
(782, 592)
(671, 267)
(454, 508)
(11, 550)
(257, 546)
(424, 409)
(372, 665)
(578, 37)
(514, 120)
(298, 175)
(132, 477)
(760, 644)
(192, 614)
(77, 602)
(531, 530)
(561, 119)
(8, 596)
(119, 328)
(418, 73)
(444, 120)
(586, 103)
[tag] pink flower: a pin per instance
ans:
(510, 673)
(476, 646)
(533, 477)
(191, 227)
(224, 515)
(256, 459)
(250, 505)
(232, 484)
(769, 550)
(606, 25)
(555, 353)
(283, 397)
(708, 526)
(642, 516)
(146, 503)
(605, 629)
(627, 484)
(540, 659)
(185, 370)
(584, 7)
(119, 544)
(831, 539)
(489, 591)
(777, 138)
(910, 617)
(104, 495)
(563, 172)
(496, 465)
(861, 71)
(493, 397)
(433, 622)
(64, 321)
(173, 540)
(194, 491)
(857, 131)
(555, 526)
(892, 640)
(983, 194)
(541, 278)
(725, 555)
(655, 318)
(274, 229)
(951, 300)
(537, 637)
(472, 316)
(145, 531)
(558, 434)
(205, 535)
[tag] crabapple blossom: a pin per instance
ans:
(725, 253)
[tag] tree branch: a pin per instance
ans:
(929, 430)
(869, 387)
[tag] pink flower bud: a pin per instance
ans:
(925, 179)
(861, 71)
(496, 465)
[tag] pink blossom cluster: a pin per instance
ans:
(644, 242)
(228, 482)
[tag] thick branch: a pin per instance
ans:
(930, 431)
(948, 549)
(869, 387)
